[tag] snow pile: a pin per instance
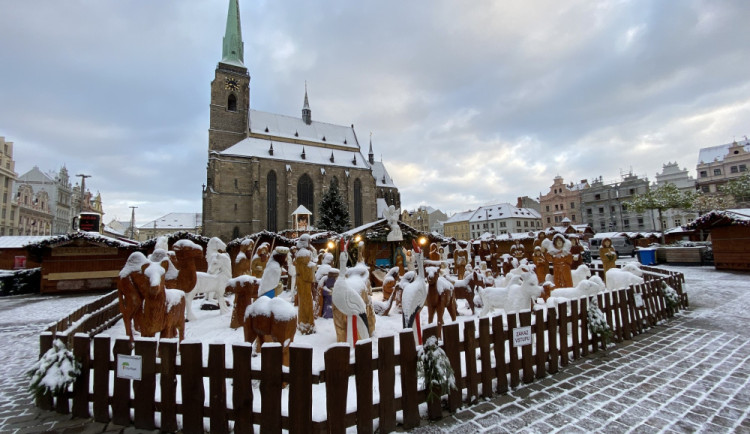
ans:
(55, 371)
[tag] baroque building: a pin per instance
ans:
(719, 164)
(563, 201)
(8, 215)
(424, 219)
(263, 166)
(59, 192)
(672, 174)
(606, 209)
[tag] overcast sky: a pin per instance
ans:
(469, 103)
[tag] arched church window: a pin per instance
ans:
(357, 203)
(305, 193)
(232, 103)
(271, 196)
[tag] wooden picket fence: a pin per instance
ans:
(481, 352)
(91, 318)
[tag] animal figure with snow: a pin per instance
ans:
(466, 288)
(580, 274)
(629, 274)
(439, 297)
(214, 281)
(183, 258)
(585, 288)
(520, 293)
(348, 300)
(145, 302)
(245, 289)
(413, 296)
(391, 291)
(271, 320)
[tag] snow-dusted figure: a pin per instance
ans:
(521, 292)
(327, 287)
(460, 261)
(270, 283)
(183, 258)
(617, 278)
(245, 289)
(242, 260)
(584, 288)
(559, 255)
(439, 297)
(576, 249)
(271, 320)
(348, 300)
(541, 265)
(214, 280)
(214, 247)
(580, 273)
(259, 260)
(305, 280)
(608, 255)
(291, 271)
(517, 250)
(414, 294)
(541, 237)
(391, 214)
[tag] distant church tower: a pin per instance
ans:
(230, 89)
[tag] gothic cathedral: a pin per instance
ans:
(263, 166)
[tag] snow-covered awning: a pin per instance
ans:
(721, 218)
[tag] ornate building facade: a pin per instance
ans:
(719, 164)
(606, 209)
(59, 193)
(563, 201)
(8, 214)
(263, 166)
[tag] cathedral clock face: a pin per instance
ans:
(231, 84)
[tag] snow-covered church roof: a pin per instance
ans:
(295, 128)
(293, 152)
(176, 221)
(382, 178)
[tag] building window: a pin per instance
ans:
(624, 207)
(733, 169)
(704, 188)
(232, 103)
(601, 210)
(305, 194)
(525, 224)
(717, 172)
(556, 208)
(271, 195)
(678, 222)
(631, 191)
(603, 225)
(572, 205)
(573, 217)
(589, 211)
(597, 197)
(743, 168)
(626, 223)
(704, 174)
(640, 222)
(547, 206)
(518, 223)
(357, 203)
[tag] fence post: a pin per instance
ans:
(386, 381)
(527, 355)
(624, 313)
(363, 380)
(337, 384)
(470, 360)
(300, 389)
(217, 388)
(484, 350)
(501, 368)
(121, 388)
(583, 323)
(82, 352)
(168, 384)
(515, 366)
(271, 356)
(45, 400)
(563, 332)
(615, 307)
(434, 410)
(541, 355)
(193, 393)
(409, 399)
(144, 390)
(575, 325)
(452, 343)
(554, 354)
(101, 366)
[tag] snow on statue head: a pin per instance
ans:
(304, 241)
(391, 214)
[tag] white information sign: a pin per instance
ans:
(129, 367)
(638, 300)
(521, 336)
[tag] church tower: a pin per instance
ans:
(230, 89)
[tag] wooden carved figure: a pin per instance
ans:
(434, 254)
(271, 320)
(541, 265)
(245, 289)
(539, 241)
(130, 298)
(460, 261)
(494, 256)
(517, 250)
(242, 261)
(576, 249)
(559, 255)
(439, 297)
(608, 254)
(260, 258)
(391, 289)
(185, 254)
(305, 280)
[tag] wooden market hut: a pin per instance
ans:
(13, 253)
(729, 232)
(381, 253)
(80, 262)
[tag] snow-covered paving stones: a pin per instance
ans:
(689, 374)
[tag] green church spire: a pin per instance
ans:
(233, 51)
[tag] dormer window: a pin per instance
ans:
(232, 103)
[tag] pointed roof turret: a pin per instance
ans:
(233, 49)
(306, 112)
(371, 155)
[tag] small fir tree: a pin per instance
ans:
(334, 216)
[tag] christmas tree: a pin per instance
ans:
(334, 216)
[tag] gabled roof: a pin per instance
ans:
(708, 155)
(460, 217)
(382, 178)
(503, 211)
(721, 218)
(176, 221)
(295, 128)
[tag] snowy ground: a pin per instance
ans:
(690, 374)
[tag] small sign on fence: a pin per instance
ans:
(129, 367)
(638, 300)
(521, 336)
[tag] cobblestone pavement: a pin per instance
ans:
(690, 374)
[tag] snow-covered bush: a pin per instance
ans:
(670, 295)
(434, 368)
(55, 371)
(598, 322)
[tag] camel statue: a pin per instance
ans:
(271, 320)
